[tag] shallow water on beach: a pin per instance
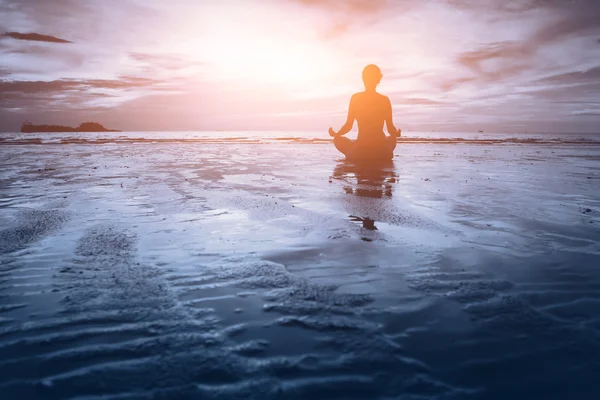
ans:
(275, 270)
(294, 137)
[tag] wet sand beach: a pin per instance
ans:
(267, 270)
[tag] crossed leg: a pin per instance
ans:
(346, 145)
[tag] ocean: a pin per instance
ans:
(295, 137)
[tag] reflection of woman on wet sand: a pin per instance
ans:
(373, 181)
(371, 110)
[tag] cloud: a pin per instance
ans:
(584, 91)
(501, 5)
(574, 17)
(497, 60)
(576, 77)
(448, 85)
(421, 101)
(586, 112)
(45, 12)
(124, 82)
(62, 85)
(564, 18)
(35, 37)
(567, 18)
(43, 61)
(360, 7)
(73, 94)
(558, 21)
(560, 102)
(7, 86)
(90, 21)
(170, 62)
(348, 13)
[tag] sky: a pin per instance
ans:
(153, 65)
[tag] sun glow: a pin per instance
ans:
(271, 61)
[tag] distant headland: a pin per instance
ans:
(28, 127)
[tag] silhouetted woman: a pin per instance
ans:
(371, 110)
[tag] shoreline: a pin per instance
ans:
(288, 140)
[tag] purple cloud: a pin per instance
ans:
(349, 13)
(500, 60)
(351, 6)
(509, 58)
(72, 95)
(586, 112)
(591, 75)
(35, 37)
(170, 62)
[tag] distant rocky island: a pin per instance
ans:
(28, 127)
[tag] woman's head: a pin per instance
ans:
(371, 76)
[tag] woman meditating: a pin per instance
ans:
(371, 110)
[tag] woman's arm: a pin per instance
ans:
(389, 120)
(349, 121)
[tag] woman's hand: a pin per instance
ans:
(332, 133)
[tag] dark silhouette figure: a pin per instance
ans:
(366, 180)
(371, 110)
